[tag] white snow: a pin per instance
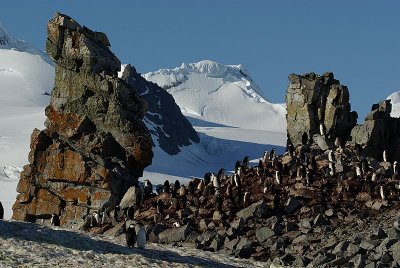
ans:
(24, 78)
(223, 94)
(395, 100)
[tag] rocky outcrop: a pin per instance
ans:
(379, 132)
(169, 128)
(313, 100)
(95, 145)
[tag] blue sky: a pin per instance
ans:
(357, 40)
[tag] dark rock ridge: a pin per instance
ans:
(379, 132)
(313, 100)
(95, 145)
(164, 117)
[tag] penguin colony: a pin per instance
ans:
(322, 180)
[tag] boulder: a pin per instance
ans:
(129, 198)
(263, 233)
(155, 231)
(313, 100)
(292, 205)
(178, 234)
(95, 145)
(258, 209)
(217, 243)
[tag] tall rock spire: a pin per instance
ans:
(95, 145)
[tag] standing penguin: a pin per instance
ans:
(207, 178)
(148, 188)
(385, 156)
(272, 154)
(265, 157)
(55, 220)
(338, 142)
(215, 182)
(166, 187)
(304, 139)
(182, 190)
(116, 212)
(246, 199)
(177, 185)
(159, 189)
(278, 177)
(218, 203)
(322, 129)
(382, 192)
(130, 213)
(1, 211)
(201, 186)
(130, 236)
(160, 207)
(221, 174)
(141, 237)
(237, 165)
(191, 188)
(246, 162)
(236, 179)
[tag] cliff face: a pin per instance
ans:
(165, 120)
(312, 100)
(95, 145)
(379, 132)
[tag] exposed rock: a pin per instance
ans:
(155, 231)
(217, 242)
(292, 205)
(258, 209)
(264, 233)
(312, 100)
(95, 145)
(379, 132)
(164, 118)
(129, 198)
(175, 234)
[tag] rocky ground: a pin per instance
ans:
(27, 244)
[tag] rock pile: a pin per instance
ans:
(95, 145)
(304, 207)
(318, 104)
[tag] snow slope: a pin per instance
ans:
(395, 100)
(222, 94)
(25, 244)
(24, 80)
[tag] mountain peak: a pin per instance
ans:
(8, 41)
(213, 92)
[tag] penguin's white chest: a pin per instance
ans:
(141, 238)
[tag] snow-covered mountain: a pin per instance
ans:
(222, 94)
(395, 100)
(7, 41)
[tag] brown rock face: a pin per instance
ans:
(95, 145)
(312, 100)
